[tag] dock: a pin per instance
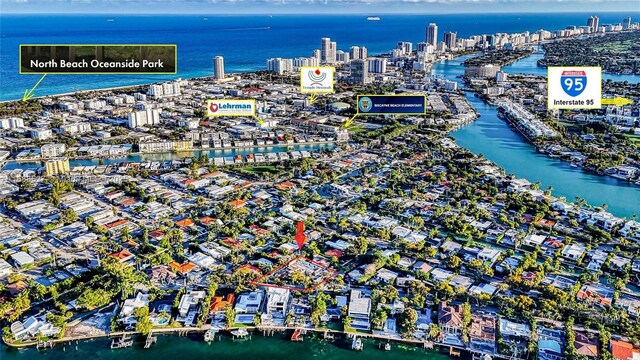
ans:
(43, 345)
(124, 342)
(454, 352)
(150, 340)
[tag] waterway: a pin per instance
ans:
(179, 155)
(496, 141)
(276, 347)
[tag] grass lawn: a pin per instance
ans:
(260, 169)
(355, 129)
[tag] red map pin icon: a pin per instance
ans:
(300, 237)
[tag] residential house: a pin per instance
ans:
(247, 306)
(586, 344)
(359, 310)
(450, 321)
(482, 335)
(129, 306)
(32, 327)
(622, 350)
(189, 306)
(276, 305)
(596, 294)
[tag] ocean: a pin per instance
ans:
(245, 41)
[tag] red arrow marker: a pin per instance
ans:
(300, 237)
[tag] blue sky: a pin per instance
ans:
(213, 7)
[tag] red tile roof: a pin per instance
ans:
(237, 203)
(334, 252)
(121, 255)
(186, 222)
(183, 268)
(116, 223)
(250, 268)
(622, 350)
(207, 220)
(218, 303)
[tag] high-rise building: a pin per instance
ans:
(432, 34)
(218, 67)
(333, 49)
(357, 52)
(405, 47)
(482, 71)
(302, 61)
(450, 40)
(501, 76)
(354, 52)
(626, 23)
(57, 166)
(325, 50)
(377, 65)
(316, 54)
(593, 22)
(359, 71)
(166, 89)
(279, 65)
(342, 56)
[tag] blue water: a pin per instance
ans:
(529, 65)
(245, 41)
(180, 155)
(495, 140)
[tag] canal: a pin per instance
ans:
(496, 141)
(138, 158)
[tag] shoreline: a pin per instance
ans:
(240, 73)
(263, 331)
(89, 157)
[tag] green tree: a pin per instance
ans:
(93, 298)
(230, 315)
(143, 322)
(408, 322)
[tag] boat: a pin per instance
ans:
(109, 20)
(356, 344)
(297, 335)
(205, 19)
(240, 334)
(209, 335)
(373, 18)
(124, 342)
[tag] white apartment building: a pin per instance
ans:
(52, 150)
(11, 123)
(40, 134)
(147, 117)
(75, 128)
